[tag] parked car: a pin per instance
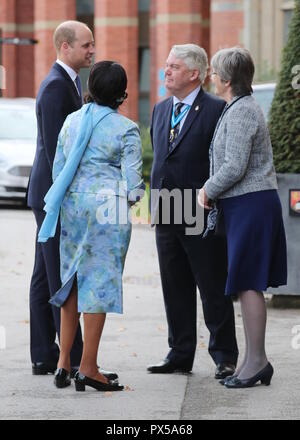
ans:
(18, 132)
(264, 93)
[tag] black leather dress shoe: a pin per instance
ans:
(223, 370)
(167, 367)
(62, 378)
(42, 368)
(108, 374)
(81, 381)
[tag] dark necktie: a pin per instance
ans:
(78, 84)
(174, 132)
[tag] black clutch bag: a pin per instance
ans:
(220, 230)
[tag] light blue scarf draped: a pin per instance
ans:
(57, 191)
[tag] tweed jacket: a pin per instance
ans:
(241, 157)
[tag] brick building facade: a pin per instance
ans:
(138, 34)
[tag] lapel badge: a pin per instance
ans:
(197, 108)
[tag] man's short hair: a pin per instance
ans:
(65, 32)
(194, 57)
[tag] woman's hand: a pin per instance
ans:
(203, 200)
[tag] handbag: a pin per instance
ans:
(215, 219)
(220, 230)
(215, 222)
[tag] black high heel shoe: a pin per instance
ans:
(264, 375)
(222, 381)
(62, 378)
(82, 381)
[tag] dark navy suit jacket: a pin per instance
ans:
(187, 261)
(187, 165)
(57, 98)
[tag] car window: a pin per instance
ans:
(17, 123)
(264, 98)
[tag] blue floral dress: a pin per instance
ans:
(95, 214)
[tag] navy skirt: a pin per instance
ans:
(257, 256)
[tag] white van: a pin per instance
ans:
(18, 132)
(264, 93)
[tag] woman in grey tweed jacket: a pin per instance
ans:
(243, 180)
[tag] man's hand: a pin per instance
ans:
(203, 199)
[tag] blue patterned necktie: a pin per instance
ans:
(78, 84)
(174, 132)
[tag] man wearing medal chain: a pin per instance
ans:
(181, 131)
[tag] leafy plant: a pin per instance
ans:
(284, 119)
(147, 152)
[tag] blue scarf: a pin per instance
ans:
(57, 191)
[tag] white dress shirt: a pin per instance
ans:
(187, 100)
(71, 72)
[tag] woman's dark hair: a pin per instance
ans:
(107, 84)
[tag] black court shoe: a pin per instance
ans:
(82, 381)
(108, 374)
(222, 381)
(62, 378)
(264, 376)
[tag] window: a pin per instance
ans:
(144, 62)
(85, 7)
(144, 5)
(144, 85)
(85, 13)
(287, 8)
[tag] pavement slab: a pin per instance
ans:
(130, 342)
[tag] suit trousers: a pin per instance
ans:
(44, 318)
(187, 262)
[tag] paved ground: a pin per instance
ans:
(130, 342)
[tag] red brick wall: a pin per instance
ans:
(227, 24)
(25, 58)
(26, 66)
(48, 15)
(154, 81)
(9, 52)
(116, 37)
(175, 22)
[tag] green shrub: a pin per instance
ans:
(147, 152)
(285, 111)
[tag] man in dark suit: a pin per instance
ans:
(181, 131)
(59, 95)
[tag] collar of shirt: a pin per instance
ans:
(188, 99)
(72, 74)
